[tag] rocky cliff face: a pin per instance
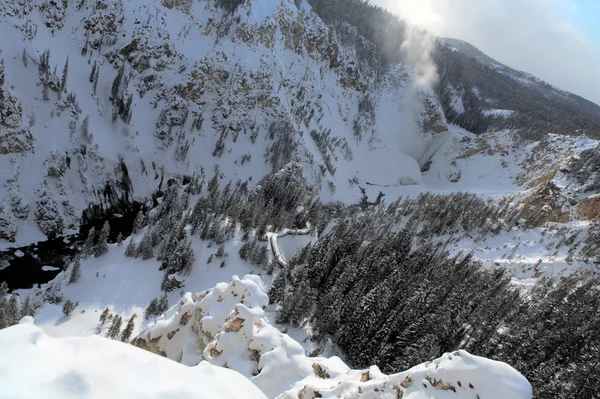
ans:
(98, 94)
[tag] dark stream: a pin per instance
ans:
(28, 270)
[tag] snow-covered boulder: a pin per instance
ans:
(226, 326)
(454, 375)
(35, 365)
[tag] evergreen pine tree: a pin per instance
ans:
(144, 250)
(4, 305)
(126, 334)
(168, 284)
(247, 249)
(102, 246)
(65, 75)
(3, 289)
(25, 56)
(163, 304)
(3, 318)
(76, 271)
(115, 327)
(277, 291)
(13, 311)
(151, 309)
(116, 86)
(68, 308)
(181, 259)
(104, 315)
(220, 252)
(120, 240)
(90, 242)
(45, 92)
(138, 223)
(96, 78)
(93, 73)
(130, 251)
(85, 129)
(27, 308)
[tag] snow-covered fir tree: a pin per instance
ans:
(75, 271)
(128, 330)
(152, 309)
(27, 308)
(68, 308)
(131, 250)
(115, 327)
(90, 242)
(104, 315)
(138, 223)
(102, 245)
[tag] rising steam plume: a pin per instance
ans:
(417, 49)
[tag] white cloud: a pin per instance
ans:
(536, 36)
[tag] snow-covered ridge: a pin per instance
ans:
(227, 327)
(34, 365)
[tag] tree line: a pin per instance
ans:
(389, 298)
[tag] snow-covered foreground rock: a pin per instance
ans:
(456, 375)
(227, 327)
(35, 365)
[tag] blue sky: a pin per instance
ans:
(556, 40)
(586, 15)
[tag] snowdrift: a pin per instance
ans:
(226, 326)
(35, 365)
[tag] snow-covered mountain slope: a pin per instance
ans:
(482, 95)
(116, 286)
(553, 182)
(35, 365)
(154, 90)
(265, 142)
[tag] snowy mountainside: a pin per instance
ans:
(125, 277)
(154, 90)
(482, 95)
(36, 365)
(553, 183)
(269, 143)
